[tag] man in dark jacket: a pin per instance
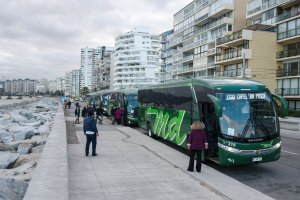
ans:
(91, 132)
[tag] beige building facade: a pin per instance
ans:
(283, 17)
(250, 54)
(196, 28)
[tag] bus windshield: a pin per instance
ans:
(105, 99)
(248, 116)
(132, 103)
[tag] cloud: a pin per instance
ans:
(42, 39)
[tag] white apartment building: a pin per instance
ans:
(90, 59)
(20, 86)
(68, 84)
(196, 28)
(60, 81)
(75, 82)
(52, 86)
(136, 61)
(283, 17)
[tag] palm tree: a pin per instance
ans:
(84, 91)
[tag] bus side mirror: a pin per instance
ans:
(281, 105)
(217, 105)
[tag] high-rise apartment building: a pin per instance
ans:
(75, 83)
(90, 59)
(136, 62)
(20, 87)
(68, 84)
(103, 72)
(196, 28)
(61, 86)
(282, 16)
(164, 54)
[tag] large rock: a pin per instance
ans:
(15, 144)
(22, 132)
(37, 149)
(41, 118)
(26, 113)
(24, 149)
(7, 159)
(19, 171)
(44, 130)
(23, 159)
(33, 124)
(6, 137)
(12, 188)
(5, 147)
(40, 139)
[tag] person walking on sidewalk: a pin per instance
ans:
(91, 132)
(197, 142)
(77, 114)
(84, 112)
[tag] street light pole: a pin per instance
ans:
(243, 67)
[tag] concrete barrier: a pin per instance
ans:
(50, 178)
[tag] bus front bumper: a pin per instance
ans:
(229, 156)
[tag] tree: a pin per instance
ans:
(84, 91)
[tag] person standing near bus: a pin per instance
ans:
(197, 142)
(91, 132)
(118, 115)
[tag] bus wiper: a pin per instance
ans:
(245, 129)
(262, 126)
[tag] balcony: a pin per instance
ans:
(288, 91)
(287, 15)
(287, 54)
(233, 57)
(286, 73)
(221, 10)
(229, 38)
(188, 58)
(188, 47)
(288, 35)
(175, 41)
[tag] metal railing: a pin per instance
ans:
(230, 55)
(287, 91)
(234, 36)
(284, 73)
(289, 33)
(287, 53)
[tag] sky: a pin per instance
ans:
(42, 38)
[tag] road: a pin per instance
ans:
(280, 179)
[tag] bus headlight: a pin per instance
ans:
(276, 146)
(227, 148)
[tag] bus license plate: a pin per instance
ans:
(257, 159)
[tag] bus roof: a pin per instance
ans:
(222, 84)
(129, 91)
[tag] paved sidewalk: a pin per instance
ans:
(128, 171)
(130, 165)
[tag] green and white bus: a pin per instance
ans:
(241, 117)
(125, 99)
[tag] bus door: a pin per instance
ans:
(210, 121)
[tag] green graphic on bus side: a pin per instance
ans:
(171, 131)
